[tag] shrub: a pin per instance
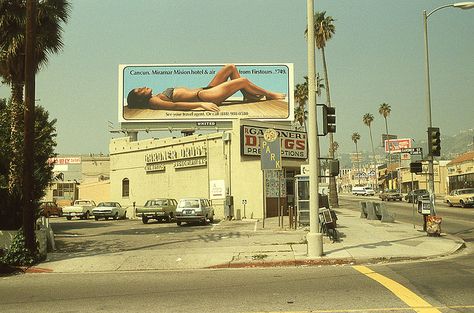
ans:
(18, 255)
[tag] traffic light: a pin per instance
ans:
(434, 141)
(333, 167)
(416, 167)
(329, 119)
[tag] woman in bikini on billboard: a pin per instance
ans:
(208, 98)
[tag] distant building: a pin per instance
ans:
(79, 176)
(461, 171)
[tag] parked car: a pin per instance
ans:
(161, 209)
(463, 197)
(191, 210)
(109, 209)
(390, 194)
(418, 194)
(80, 208)
(363, 191)
(48, 208)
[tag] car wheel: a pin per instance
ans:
(463, 205)
(68, 218)
(86, 217)
(211, 220)
(116, 216)
(178, 223)
(449, 203)
(144, 219)
(96, 218)
(124, 216)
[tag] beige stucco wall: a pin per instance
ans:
(97, 191)
(242, 174)
(128, 161)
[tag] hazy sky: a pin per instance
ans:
(376, 56)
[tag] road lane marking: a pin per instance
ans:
(365, 310)
(406, 295)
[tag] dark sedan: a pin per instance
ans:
(417, 194)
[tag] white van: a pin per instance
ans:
(363, 191)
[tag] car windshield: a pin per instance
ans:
(466, 191)
(188, 204)
(159, 202)
(107, 204)
(82, 202)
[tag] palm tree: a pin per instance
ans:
(385, 110)
(368, 118)
(301, 97)
(335, 146)
(324, 29)
(355, 138)
(50, 16)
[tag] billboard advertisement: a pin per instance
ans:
(397, 145)
(205, 92)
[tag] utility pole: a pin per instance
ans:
(314, 237)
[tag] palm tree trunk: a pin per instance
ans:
(333, 198)
(16, 123)
(29, 131)
(375, 161)
(358, 163)
(389, 158)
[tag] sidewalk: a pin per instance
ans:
(361, 241)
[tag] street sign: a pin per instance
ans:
(271, 151)
(413, 151)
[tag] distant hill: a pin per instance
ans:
(451, 147)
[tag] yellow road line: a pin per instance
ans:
(406, 295)
(367, 310)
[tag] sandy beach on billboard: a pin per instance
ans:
(231, 109)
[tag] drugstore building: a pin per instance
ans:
(224, 166)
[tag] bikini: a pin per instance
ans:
(168, 92)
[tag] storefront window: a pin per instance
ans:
(125, 187)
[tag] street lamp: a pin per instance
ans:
(459, 5)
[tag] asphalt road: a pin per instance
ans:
(440, 285)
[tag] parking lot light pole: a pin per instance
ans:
(459, 5)
(314, 238)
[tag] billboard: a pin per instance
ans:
(205, 92)
(397, 145)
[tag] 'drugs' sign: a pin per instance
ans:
(294, 144)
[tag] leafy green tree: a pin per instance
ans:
(368, 118)
(50, 16)
(44, 145)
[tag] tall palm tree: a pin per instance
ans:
(355, 138)
(324, 30)
(368, 118)
(50, 16)
(385, 110)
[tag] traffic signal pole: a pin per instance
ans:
(314, 238)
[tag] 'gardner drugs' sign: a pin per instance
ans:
(293, 143)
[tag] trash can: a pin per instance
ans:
(433, 225)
